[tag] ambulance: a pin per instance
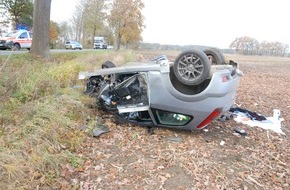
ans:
(20, 39)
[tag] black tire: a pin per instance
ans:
(191, 67)
(16, 47)
(92, 84)
(215, 56)
(108, 64)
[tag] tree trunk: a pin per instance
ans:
(117, 41)
(41, 23)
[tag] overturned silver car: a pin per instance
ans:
(185, 94)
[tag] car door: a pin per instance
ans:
(23, 40)
(29, 40)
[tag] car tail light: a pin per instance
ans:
(212, 116)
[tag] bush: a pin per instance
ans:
(39, 112)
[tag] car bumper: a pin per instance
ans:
(4, 45)
(216, 99)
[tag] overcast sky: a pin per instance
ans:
(205, 22)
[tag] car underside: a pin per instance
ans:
(185, 94)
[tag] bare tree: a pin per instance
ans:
(250, 46)
(273, 48)
(95, 18)
(89, 20)
(77, 21)
(245, 45)
(41, 23)
(4, 19)
(66, 31)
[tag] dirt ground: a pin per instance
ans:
(129, 158)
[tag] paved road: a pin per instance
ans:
(8, 52)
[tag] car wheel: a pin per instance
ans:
(92, 84)
(16, 47)
(191, 67)
(215, 56)
(108, 64)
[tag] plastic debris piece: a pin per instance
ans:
(175, 139)
(241, 131)
(276, 114)
(222, 143)
(75, 86)
(237, 134)
(251, 115)
(100, 129)
(227, 116)
(269, 123)
(222, 118)
(150, 130)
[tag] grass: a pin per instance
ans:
(41, 113)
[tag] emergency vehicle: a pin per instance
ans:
(20, 39)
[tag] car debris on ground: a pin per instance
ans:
(253, 119)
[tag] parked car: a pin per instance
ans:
(73, 45)
(110, 47)
(19, 39)
(185, 94)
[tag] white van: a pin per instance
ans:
(100, 43)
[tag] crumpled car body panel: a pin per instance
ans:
(148, 94)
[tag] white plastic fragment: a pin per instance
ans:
(222, 143)
(272, 123)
